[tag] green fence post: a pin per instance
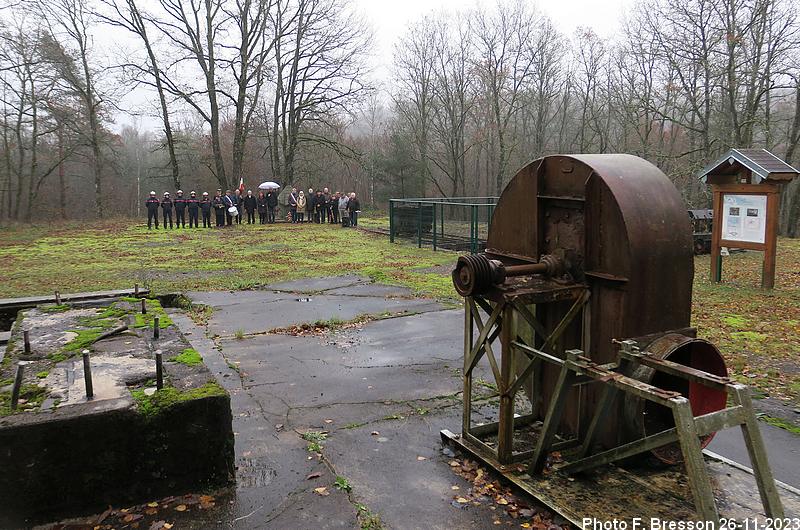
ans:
(419, 225)
(434, 226)
(391, 220)
(474, 227)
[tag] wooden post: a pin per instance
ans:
(716, 235)
(58, 298)
(469, 340)
(156, 328)
(87, 375)
(144, 306)
(771, 241)
(505, 433)
(136, 289)
(26, 340)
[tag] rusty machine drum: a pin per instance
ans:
(610, 234)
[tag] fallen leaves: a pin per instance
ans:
(488, 491)
(315, 474)
(322, 491)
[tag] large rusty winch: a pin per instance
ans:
(586, 283)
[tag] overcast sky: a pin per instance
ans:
(389, 19)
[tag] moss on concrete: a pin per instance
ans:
(153, 309)
(151, 406)
(30, 397)
(189, 357)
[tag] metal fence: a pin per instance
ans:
(460, 223)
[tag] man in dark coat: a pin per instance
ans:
(319, 207)
(272, 204)
(152, 205)
(335, 207)
(180, 210)
(205, 209)
(250, 205)
(355, 208)
(193, 205)
(327, 213)
(220, 207)
(166, 207)
(261, 203)
(292, 201)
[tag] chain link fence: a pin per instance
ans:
(460, 223)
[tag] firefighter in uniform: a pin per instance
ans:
(180, 210)
(152, 205)
(205, 208)
(192, 204)
(166, 207)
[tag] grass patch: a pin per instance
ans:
(355, 425)
(167, 397)
(368, 520)
(343, 484)
(189, 357)
(781, 423)
(314, 439)
(43, 374)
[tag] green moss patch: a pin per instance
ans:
(30, 398)
(167, 397)
(153, 309)
(189, 357)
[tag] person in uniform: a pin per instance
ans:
(219, 208)
(293, 204)
(152, 205)
(239, 203)
(193, 205)
(230, 200)
(250, 205)
(180, 210)
(166, 207)
(272, 205)
(205, 209)
(261, 203)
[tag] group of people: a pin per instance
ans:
(228, 208)
(323, 206)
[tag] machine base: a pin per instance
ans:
(612, 492)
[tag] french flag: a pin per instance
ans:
(241, 185)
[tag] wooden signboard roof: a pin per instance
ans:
(763, 165)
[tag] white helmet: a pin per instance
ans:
(205, 194)
(180, 191)
(152, 193)
(166, 194)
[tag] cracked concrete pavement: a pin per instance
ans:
(381, 392)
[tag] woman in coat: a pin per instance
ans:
(310, 199)
(261, 201)
(301, 206)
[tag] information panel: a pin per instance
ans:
(744, 218)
